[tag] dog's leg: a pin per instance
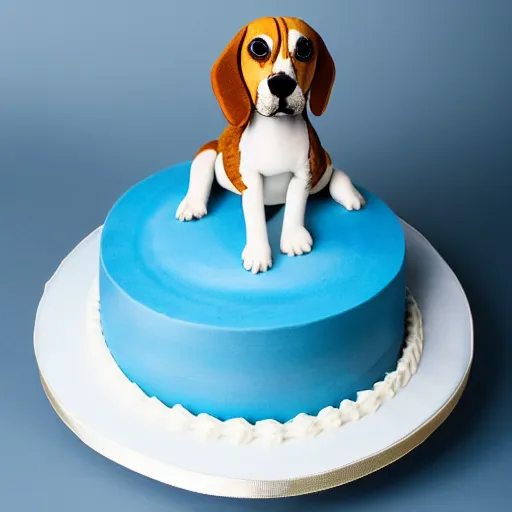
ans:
(343, 191)
(256, 256)
(295, 238)
(202, 171)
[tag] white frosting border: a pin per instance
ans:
(238, 430)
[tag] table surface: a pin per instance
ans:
(97, 95)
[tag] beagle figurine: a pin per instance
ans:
(270, 153)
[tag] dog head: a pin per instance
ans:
(272, 66)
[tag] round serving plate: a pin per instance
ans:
(95, 414)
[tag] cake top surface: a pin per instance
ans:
(192, 271)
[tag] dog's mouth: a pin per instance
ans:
(283, 108)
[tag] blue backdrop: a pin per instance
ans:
(95, 95)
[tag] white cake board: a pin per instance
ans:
(333, 458)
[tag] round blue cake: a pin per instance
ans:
(187, 324)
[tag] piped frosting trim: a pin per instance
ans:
(238, 430)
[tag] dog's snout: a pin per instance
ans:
(281, 85)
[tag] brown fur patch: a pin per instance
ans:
(213, 144)
(283, 30)
(318, 157)
(229, 146)
(323, 80)
(228, 83)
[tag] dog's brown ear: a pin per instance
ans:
(323, 80)
(229, 85)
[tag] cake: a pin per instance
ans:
(260, 310)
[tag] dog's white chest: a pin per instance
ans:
(275, 145)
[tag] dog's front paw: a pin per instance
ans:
(343, 192)
(350, 198)
(296, 241)
(191, 208)
(257, 257)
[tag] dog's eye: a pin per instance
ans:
(259, 49)
(303, 49)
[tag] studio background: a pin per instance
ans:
(96, 95)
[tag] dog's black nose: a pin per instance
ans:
(281, 85)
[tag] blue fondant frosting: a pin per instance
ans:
(186, 322)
